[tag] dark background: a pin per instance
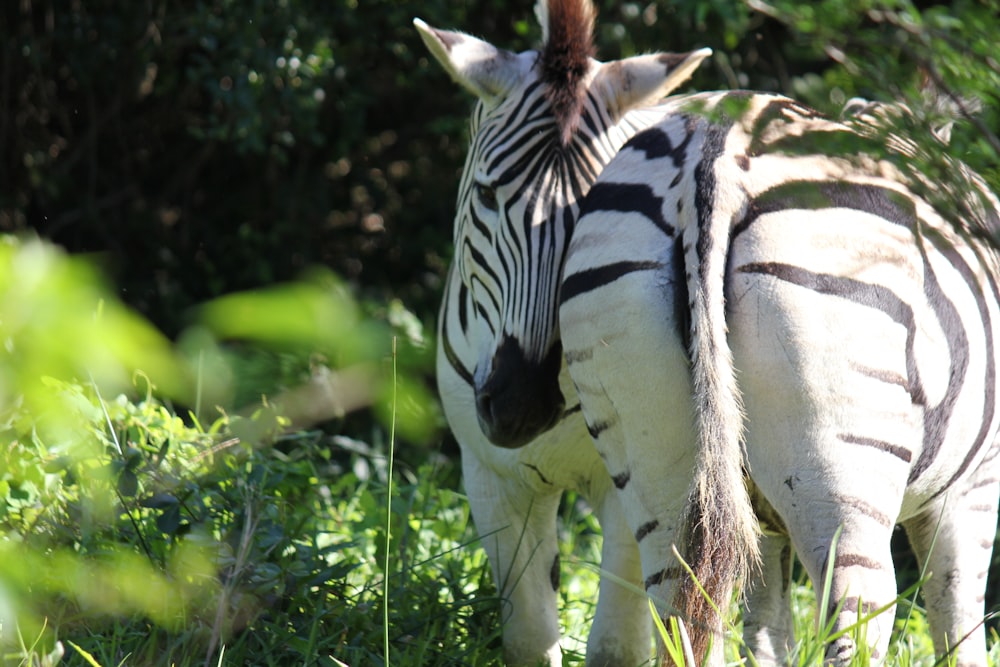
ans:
(203, 147)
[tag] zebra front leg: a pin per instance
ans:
(622, 628)
(767, 617)
(517, 527)
(954, 541)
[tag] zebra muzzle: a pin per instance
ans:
(520, 399)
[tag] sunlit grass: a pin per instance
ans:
(135, 533)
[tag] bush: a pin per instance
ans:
(215, 146)
(122, 520)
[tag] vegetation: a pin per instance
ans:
(195, 420)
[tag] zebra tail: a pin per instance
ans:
(719, 538)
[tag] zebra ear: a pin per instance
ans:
(644, 80)
(480, 67)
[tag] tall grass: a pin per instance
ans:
(134, 535)
(330, 565)
(911, 644)
(388, 513)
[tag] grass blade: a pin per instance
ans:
(388, 513)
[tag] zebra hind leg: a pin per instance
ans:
(862, 579)
(953, 542)
(767, 617)
(623, 627)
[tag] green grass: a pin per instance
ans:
(281, 549)
(192, 547)
(277, 553)
(134, 535)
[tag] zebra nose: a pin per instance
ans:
(520, 399)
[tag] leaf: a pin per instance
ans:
(22, 495)
(57, 465)
(159, 501)
(133, 458)
(128, 484)
(169, 521)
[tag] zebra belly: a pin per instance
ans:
(864, 384)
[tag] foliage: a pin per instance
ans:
(237, 144)
(937, 62)
(240, 143)
(121, 519)
(209, 546)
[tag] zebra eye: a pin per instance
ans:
(487, 195)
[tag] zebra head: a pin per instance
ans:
(545, 124)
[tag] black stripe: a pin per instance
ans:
(865, 508)
(622, 479)
(666, 574)
(984, 482)
(989, 399)
(784, 110)
(537, 471)
(655, 143)
(521, 149)
(572, 410)
(713, 146)
(597, 428)
(517, 123)
(454, 361)
(463, 307)
(882, 375)
(867, 294)
(938, 417)
(897, 451)
(479, 261)
(590, 119)
(591, 279)
(681, 296)
(877, 297)
(645, 529)
(852, 604)
(479, 224)
(890, 205)
(627, 198)
(857, 560)
(484, 315)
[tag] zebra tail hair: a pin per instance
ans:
(719, 539)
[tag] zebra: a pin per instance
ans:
(717, 215)
(545, 125)
(813, 325)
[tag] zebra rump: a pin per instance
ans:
(801, 308)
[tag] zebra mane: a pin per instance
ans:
(568, 34)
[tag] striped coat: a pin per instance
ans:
(798, 316)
